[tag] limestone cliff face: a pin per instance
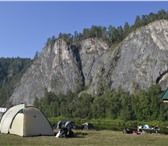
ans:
(57, 70)
(143, 58)
(139, 61)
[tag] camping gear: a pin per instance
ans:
(25, 121)
(87, 126)
(127, 131)
(65, 127)
(65, 124)
(165, 96)
(135, 133)
(147, 129)
(2, 110)
(64, 133)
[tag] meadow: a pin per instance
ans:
(88, 138)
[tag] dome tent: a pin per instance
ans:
(25, 121)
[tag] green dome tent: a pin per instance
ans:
(165, 96)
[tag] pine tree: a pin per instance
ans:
(137, 22)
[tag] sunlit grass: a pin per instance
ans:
(88, 138)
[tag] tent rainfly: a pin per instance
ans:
(165, 96)
(25, 121)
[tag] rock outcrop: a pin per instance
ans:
(138, 61)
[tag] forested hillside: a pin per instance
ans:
(111, 34)
(11, 71)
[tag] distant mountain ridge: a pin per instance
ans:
(137, 62)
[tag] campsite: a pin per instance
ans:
(98, 75)
(23, 133)
(90, 138)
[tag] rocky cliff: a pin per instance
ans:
(137, 62)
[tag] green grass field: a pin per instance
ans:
(88, 138)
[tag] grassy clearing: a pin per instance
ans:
(88, 138)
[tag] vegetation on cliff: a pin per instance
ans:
(111, 34)
(11, 71)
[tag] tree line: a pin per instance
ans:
(111, 34)
(141, 105)
(11, 71)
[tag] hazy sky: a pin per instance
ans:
(26, 26)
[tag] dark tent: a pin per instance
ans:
(165, 96)
(65, 127)
(87, 126)
(65, 124)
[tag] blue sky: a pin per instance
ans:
(26, 26)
